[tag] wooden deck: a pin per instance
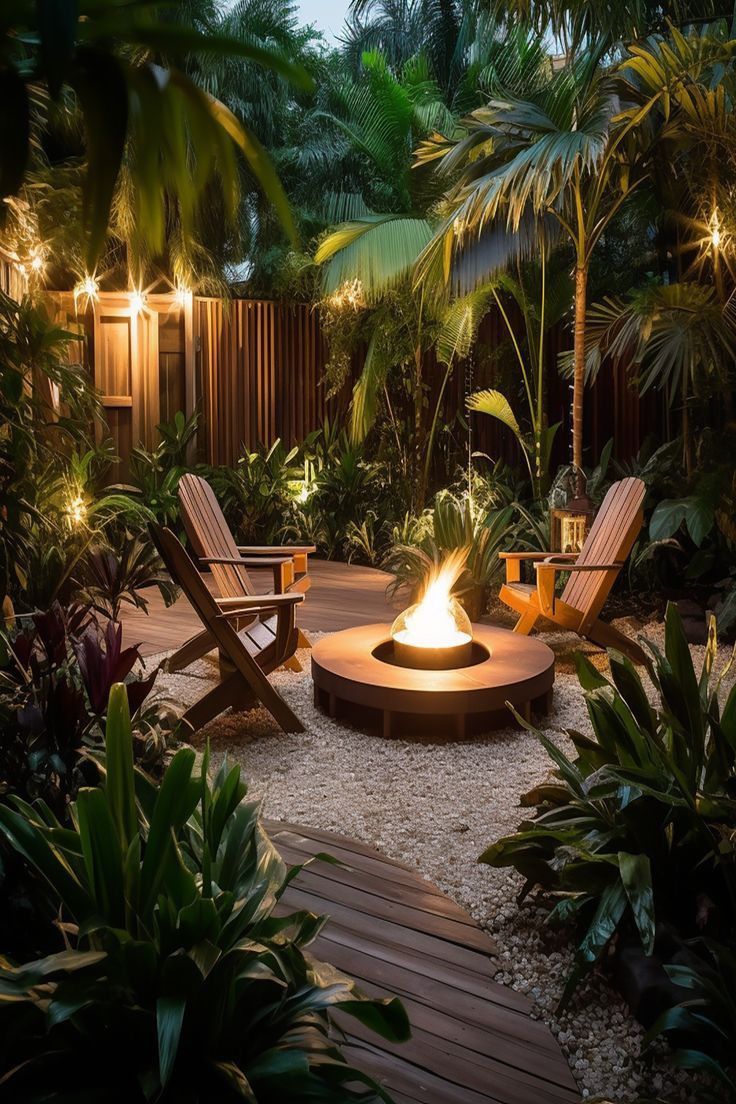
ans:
(473, 1040)
(342, 596)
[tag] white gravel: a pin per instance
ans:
(437, 806)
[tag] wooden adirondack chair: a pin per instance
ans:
(593, 572)
(215, 547)
(249, 656)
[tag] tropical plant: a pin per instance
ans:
(168, 895)
(137, 108)
(49, 462)
(702, 1025)
(55, 679)
(564, 159)
(574, 23)
(155, 473)
(256, 494)
(116, 575)
(453, 524)
(633, 831)
(540, 310)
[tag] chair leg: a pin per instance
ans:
(231, 692)
(294, 665)
(303, 641)
(526, 622)
(606, 636)
(190, 652)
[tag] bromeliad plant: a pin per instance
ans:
(639, 827)
(179, 983)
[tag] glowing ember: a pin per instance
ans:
(438, 620)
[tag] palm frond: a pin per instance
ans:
(378, 251)
(460, 323)
(364, 405)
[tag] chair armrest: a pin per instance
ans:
(242, 561)
(249, 601)
(554, 565)
(260, 603)
(523, 555)
(514, 561)
(268, 549)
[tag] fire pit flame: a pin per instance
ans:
(436, 631)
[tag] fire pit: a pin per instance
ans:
(431, 672)
(357, 675)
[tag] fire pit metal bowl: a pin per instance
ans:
(358, 674)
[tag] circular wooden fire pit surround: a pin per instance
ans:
(356, 675)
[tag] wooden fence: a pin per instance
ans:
(255, 371)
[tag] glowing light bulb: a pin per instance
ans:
(182, 295)
(37, 262)
(715, 237)
(87, 288)
(137, 301)
(76, 509)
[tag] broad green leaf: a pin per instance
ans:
(636, 876)
(119, 780)
(169, 1022)
(497, 405)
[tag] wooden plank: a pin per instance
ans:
(466, 1045)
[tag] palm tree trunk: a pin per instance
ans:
(420, 478)
(581, 292)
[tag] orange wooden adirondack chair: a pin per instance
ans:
(593, 572)
(215, 547)
(250, 655)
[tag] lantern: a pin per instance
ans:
(571, 512)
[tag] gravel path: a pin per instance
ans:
(437, 807)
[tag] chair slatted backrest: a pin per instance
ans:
(610, 540)
(183, 571)
(210, 535)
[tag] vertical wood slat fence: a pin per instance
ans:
(260, 377)
(255, 370)
(260, 374)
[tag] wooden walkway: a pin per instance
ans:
(473, 1041)
(342, 596)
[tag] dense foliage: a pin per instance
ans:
(178, 981)
(635, 832)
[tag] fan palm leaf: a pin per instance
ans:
(667, 333)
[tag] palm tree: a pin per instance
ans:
(584, 21)
(403, 29)
(569, 156)
(135, 107)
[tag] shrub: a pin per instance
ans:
(55, 678)
(639, 827)
(702, 1026)
(453, 524)
(180, 982)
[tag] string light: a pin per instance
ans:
(137, 301)
(182, 295)
(87, 288)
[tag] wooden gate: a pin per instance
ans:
(140, 357)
